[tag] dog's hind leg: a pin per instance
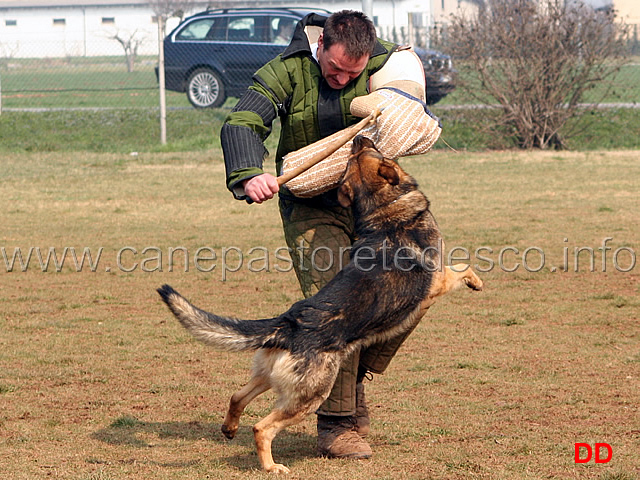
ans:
(265, 431)
(239, 400)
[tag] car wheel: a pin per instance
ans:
(205, 89)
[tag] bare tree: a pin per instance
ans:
(537, 59)
(6, 52)
(171, 8)
(130, 42)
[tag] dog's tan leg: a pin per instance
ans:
(239, 402)
(460, 274)
(450, 279)
(265, 431)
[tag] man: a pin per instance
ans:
(310, 86)
(285, 31)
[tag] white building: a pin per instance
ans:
(63, 28)
(627, 10)
(60, 28)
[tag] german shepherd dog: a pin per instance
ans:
(394, 276)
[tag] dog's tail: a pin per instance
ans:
(220, 332)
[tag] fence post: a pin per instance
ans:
(163, 98)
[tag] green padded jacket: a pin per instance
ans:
(291, 87)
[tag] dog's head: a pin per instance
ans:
(371, 181)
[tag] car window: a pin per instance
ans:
(282, 29)
(201, 29)
(241, 29)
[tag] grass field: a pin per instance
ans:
(99, 107)
(78, 82)
(138, 130)
(625, 86)
(103, 82)
(99, 382)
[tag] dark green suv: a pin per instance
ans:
(213, 55)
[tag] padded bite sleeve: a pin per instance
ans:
(243, 152)
(253, 101)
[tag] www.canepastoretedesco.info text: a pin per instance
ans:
(232, 259)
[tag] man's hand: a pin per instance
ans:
(260, 188)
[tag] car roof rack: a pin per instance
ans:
(274, 9)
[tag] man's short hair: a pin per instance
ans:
(353, 30)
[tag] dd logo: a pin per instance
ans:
(580, 447)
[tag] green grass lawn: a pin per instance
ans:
(119, 112)
(625, 87)
(138, 130)
(85, 82)
(99, 382)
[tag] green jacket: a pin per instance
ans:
(291, 87)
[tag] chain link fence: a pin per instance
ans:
(33, 78)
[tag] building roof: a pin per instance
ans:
(195, 4)
(66, 3)
(25, 4)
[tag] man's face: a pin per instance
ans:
(338, 69)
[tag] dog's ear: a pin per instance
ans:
(345, 195)
(387, 170)
(360, 142)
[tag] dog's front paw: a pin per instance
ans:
(473, 282)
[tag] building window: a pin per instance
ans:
(11, 23)
(59, 21)
(108, 20)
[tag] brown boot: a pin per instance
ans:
(362, 412)
(338, 438)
